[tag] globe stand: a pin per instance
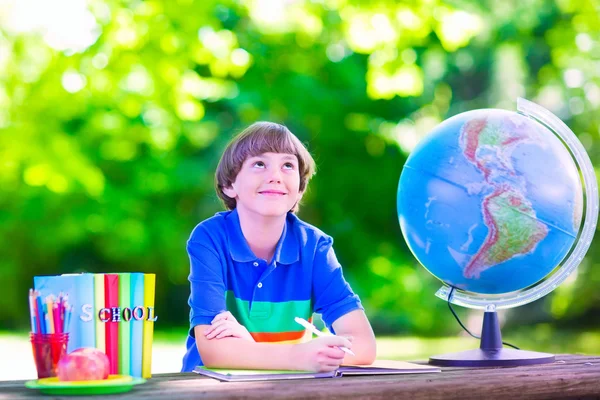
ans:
(490, 352)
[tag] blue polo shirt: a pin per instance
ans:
(303, 277)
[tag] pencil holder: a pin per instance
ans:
(48, 349)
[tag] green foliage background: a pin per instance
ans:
(113, 115)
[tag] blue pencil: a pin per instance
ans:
(68, 312)
(41, 312)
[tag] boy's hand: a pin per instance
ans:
(321, 354)
(225, 325)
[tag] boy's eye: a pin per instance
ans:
(288, 166)
(259, 164)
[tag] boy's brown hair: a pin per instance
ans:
(258, 138)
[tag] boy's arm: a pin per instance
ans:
(339, 306)
(356, 325)
(317, 355)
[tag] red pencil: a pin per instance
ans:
(56, 317)
(37, 312)
(61, 311)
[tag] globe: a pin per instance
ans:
(501, 206)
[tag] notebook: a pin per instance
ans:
(379, 367)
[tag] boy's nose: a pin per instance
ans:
(275, 176)
(275, 179)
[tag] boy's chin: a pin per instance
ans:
(274, 212)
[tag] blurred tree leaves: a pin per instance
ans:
(113, 115)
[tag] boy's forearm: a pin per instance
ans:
(364, 346)
(239, 353)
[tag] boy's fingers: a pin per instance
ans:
(225, 315)
(334, 353)
(216, 331)
(331, 366)
(208, 330)
(219, 317)
(218, 327)
(226, 333)
(230, 316)
(219, 323)
(337, 341)
(220, 335)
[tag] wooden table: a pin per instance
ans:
(571, 376)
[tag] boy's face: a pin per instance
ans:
(267, 184)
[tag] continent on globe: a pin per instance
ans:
(499, 137)
(513, 230)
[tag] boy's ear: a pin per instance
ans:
(230, 192)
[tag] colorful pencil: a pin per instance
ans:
(32, 311)
(68, 313)
(40, 308)
(61, 310)
(49, 314)
(56, 317)
(38, 325)
(46, 319)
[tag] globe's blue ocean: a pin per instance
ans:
(528, 180)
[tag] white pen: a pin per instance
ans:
(317, 332)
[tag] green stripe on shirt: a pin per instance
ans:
(269, 316)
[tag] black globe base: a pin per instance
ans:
(490, 352)
(491, 358)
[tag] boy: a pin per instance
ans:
(265, 266)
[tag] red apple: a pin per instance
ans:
(84, 364)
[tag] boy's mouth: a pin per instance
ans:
(272, 193)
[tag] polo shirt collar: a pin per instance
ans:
(286, 252)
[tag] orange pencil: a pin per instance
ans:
(49, 304)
